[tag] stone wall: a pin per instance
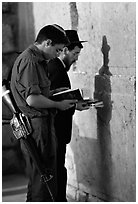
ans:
(101, 156)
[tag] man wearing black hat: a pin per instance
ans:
(58, 76)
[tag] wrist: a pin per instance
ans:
(76, 106)
(56, 104)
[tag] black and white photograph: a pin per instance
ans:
(68, 101)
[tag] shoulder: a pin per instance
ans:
(32, 53)
(54, 65)
(25, 56)
(54, 62)
(25, 61)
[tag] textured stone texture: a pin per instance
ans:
(51, 12)
(104, 151)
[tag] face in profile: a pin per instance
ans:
(52, 51)
(55, 50)
(74, 54)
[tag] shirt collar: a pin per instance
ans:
(37, 53)
(62, 62)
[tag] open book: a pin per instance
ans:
(75, 94)
(67, 94)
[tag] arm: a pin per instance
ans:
(40, 101)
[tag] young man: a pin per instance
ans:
(30, 87)
(58, 76)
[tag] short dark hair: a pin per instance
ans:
(53, 32)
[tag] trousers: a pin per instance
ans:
(61, 173)
(44, 138)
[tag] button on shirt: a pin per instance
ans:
(29, 76)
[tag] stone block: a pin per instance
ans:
(126, 82)
(81, 196)
(71, 192)
(92, 198)
(62, 16)
(84, 188)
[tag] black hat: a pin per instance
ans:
(73, 37)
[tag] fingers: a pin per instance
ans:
(62, 89)
(66, 104)
(72, 101)
(98, 105)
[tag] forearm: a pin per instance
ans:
(40, 101)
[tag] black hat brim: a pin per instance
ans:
(82, 41)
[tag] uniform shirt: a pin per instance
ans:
(29, 76)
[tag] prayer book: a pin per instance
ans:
(67, 94)
(75, 94)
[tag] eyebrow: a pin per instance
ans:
(77, 52)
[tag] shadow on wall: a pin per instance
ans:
(103, 93)
(93, 157)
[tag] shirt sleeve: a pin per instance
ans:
(27, 78)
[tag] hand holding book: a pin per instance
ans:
(83, 103)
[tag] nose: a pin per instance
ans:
(76, 58)
(58, 53)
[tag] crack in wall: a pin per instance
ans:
(74, 15)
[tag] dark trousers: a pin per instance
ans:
(45, 141)
(61, 173)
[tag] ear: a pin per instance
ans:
(65, 50)
(48, 42)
